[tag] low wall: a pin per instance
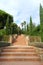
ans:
(12, 38)
(34, 39)
(36, 44)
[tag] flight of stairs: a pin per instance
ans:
(20, 40)
(17, 54)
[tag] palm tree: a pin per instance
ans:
(22, 25)
(24, 22)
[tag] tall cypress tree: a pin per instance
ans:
(30, 26)
(41, 22)
(27, 29)
(7, 26)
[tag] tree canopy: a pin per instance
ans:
(3, 18)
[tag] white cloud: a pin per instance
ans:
(22, 9)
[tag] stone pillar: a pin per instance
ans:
(10, 39)
(27, 40)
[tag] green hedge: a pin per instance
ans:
(3, 44)
(6, 38)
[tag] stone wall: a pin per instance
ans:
(34, 39)
(12, 38)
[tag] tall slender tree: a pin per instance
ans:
(24, 26)
(30, 26)
(7, 26)
(28, 29)
(41, 22)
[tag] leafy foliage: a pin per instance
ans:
(3, 17)
(31, 27)
(23, 24)
(15, 29)
(41, 22)
(8, 29)
(36, 31)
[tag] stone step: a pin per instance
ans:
(19, 54)
(25, 57)
(19, 59)
(19, 47)
(19, 50)
(41, 51)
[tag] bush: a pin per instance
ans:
(3, 44)
(2, 33)
(1, 37)
(6, 38)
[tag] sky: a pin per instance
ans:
(22, 10)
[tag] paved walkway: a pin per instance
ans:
(21, 40)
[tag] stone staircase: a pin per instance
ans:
(19, 55)
(20, 40)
